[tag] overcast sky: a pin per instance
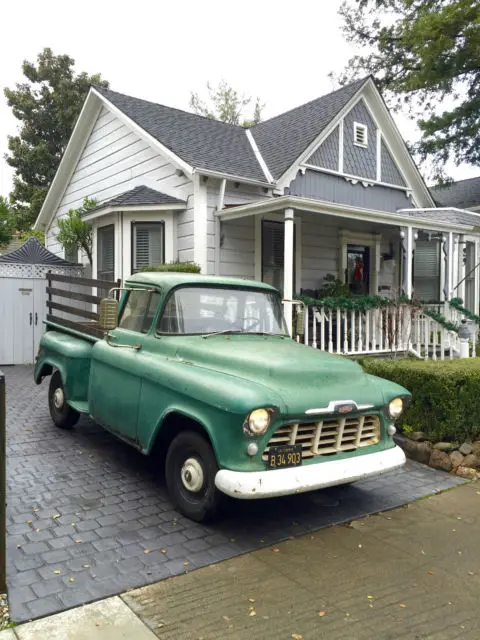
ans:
(281, 51)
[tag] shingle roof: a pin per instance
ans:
(32, 252)
(282, 139)
(201, 142)
(447, 215)
(140, 195)
(462, 194)
(217, 146)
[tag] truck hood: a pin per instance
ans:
(303, 377)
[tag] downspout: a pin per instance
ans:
(220, 202)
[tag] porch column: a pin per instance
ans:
(448, 252)
(288, 266)
(476, 289)
(408, 248)
(459, 283)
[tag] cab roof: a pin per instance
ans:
(169, 280)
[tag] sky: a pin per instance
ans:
(161, 51)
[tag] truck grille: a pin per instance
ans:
(328, 436)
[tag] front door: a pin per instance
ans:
(117, 369)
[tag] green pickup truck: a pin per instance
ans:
(202, 370)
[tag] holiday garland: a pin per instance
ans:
(366, 303)
(457, 303)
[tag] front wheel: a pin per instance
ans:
(190, 471)
(61, 413)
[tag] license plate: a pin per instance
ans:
(285, 456)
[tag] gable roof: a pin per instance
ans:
(139, 196)
(283, 138)
(201, 142)
(450, 215)
(32, 252)
(462, 194)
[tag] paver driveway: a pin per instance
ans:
(89, 517)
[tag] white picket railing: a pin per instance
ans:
(394, 329)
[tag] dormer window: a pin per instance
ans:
(360, 134)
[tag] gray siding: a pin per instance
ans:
(323, 186)
(237, 248)
(389, 169)
(359, 161)
(326, 156)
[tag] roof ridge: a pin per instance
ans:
(304, 104)
(165, 106)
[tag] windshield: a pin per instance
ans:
(209, 310)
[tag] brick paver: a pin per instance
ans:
(89, 517)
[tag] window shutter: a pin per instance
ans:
(426, 271)
(273, 244)
(148, 247)
(106, 252)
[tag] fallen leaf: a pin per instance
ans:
(147, 551)
(370, 597)
(85, 566)
(297, 636)
(78, 541)
(36, 510)
(226, 618)
(262, 540)
(185, 564)
(251, 599)
(57, 515)
(458, 518)
(322, 614)
(359, 546)
(73, 524)
(430, 573)
(276, 550)
(71, 579)
(252, 613)
(347, 614)
(403, 606)
(164, 551)
(29, 521)
(470, 573)
(57, 571)
(37, 530)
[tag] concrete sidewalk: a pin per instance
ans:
(413, 572)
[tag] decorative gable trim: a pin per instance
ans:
(259, 156)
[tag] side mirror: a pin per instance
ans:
(108, 314)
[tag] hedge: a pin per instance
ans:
(446, 395)
(178, 267)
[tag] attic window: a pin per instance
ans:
(360, 134)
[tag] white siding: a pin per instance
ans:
(114, 160)
(237, 248)
(320, 249)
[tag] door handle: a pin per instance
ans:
(31, 318)
(36, 318)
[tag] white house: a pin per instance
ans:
(326, 188)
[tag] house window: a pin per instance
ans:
(106, 252)
(273, 247)
(426, 270)
(358, 269)
(139, 311)
(148, 244)
(360, 134)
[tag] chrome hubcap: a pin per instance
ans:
(192, 475)
(58, 398)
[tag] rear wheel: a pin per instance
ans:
(61, 413)
(190, 471)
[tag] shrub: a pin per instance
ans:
(446, 395)
(182, 267)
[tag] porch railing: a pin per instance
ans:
(394, 329)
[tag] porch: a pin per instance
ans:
(370, 282)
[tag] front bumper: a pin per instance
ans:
(249, 485)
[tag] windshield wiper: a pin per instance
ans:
(219, 333)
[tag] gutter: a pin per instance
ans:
(233, 178)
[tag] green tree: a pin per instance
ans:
(425, 55)
(6, 221)
(47, 105)
(33, 233)
(75, 233)
(226, 104)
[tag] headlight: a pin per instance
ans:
(395, 408)
(258, 422)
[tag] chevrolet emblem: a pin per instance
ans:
(344, 408)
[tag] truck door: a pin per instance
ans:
(117, 368)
